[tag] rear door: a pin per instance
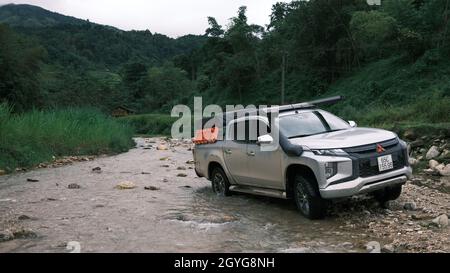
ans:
(235, 152)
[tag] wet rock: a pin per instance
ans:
(187, 187)
(33, 180)
(445, 171)
(164, 158)
(346, 245)
(151, 188)
(74, 186)
(165, 180)
(97, 170)
(145, 173)
(127, 185)
(441, 221)
(162, 147)
(24, 233)
(165, 166)
(2, 172)
(181, 168)
(190, 162)
(410, 206)
(433, 164)
(6, 235)
(433, 152)
(182, 175)
(388, 248)
(24, 217)
(373, 247)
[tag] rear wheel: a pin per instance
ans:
(219, 181)
(388, 194)
(308, 199)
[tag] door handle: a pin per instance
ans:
(228, 152)
(251, 153)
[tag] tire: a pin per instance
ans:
(388, 194)
(308, 199)
(219, 182)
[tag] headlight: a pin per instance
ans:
(330, 169)
(332, 152)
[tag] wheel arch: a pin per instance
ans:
(294, 169)
(211, 166)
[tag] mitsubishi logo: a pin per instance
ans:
(380, 149)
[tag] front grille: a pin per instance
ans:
(365, 157)
(369, 166)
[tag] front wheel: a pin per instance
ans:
(220, 184)
(308, 199)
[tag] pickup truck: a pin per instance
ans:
(320, 158)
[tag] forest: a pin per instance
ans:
(390, 61)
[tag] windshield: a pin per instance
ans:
(310, 123)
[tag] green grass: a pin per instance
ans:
(34, 137)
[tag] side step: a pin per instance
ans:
(259, 191)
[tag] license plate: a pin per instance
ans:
(385, 163)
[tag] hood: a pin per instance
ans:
(344, 139)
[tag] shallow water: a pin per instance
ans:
(182, 216)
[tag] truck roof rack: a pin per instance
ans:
(285, 108)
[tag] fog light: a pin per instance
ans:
(330, 169)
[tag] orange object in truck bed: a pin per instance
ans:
(206, 136)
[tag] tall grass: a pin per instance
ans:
(33, 137)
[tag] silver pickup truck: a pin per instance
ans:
(320, 157)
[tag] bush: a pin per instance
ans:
(34, 137)
(150, 124)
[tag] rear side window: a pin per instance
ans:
(248, 131)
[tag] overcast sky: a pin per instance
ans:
(171, 17)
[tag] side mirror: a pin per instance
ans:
(265, 139)
(352, 123)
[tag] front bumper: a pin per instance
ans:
(365, 185)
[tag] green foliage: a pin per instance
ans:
(34, 137)
(150, 124)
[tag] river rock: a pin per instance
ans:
(6, 235)
(373, 247)
(441, 221)
(182, 175)
(127, 185)
(433, 152)
(162, 147)
(151, 188)
(439, 167)
(417, 143)
(388, 248)
(2, 172)
(412, 161)
(410, 206)
(433, 163)
(74, 186)
(445, 171)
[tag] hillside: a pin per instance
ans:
(73, 62)
(34, 17)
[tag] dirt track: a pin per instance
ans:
(180, 214)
